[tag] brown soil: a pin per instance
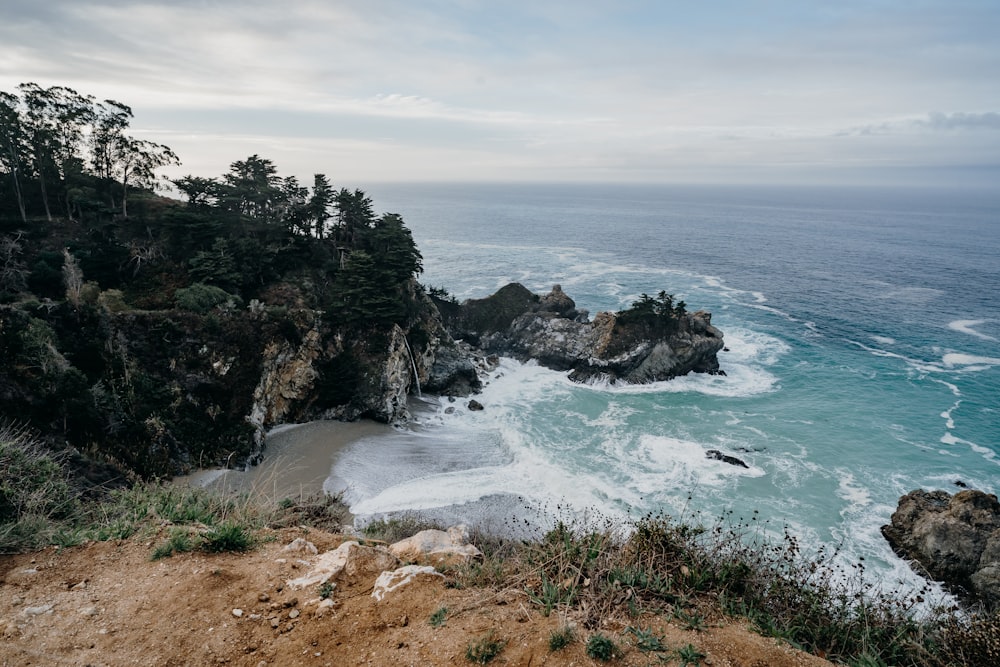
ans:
(107, 603)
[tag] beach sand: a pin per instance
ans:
(297, 460)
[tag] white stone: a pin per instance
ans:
(301, 544)
(390, 581)
(238, 613)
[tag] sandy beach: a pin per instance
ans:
(297, 460)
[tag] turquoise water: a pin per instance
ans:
(863, 357)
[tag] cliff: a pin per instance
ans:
(161, 392)
(628, 346)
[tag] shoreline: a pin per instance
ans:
(293, 466)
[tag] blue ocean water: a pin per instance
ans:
(862, 329)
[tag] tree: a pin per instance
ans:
(355, 212)
(252, 189)
(54, 122)
(200, 192)
(13, 149)
(135, 161)
(391, 244)
(321, 204)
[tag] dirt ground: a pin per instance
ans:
(104, 604)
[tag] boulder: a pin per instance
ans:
(437, 547)
(956, 539)
(350, 559)
(725, 458)
(387, 582)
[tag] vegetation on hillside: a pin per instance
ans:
(131, 324)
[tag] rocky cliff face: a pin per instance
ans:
(160, 392)
(552, 331)
(956, 539)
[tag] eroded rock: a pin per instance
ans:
(350, 558)
(387, 582)
(437, 547)
(956, 539)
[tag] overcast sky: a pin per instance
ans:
(777, 91)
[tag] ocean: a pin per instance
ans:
(862, 359)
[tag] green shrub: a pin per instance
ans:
(228, 536)
(561, 638)
(201, 298)
(601, 648)
(438, 617)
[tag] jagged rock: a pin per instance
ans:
(559, 303)
(301, 544)
(387, 582)
(351, 559)
(955, 538)
(725, 458)
(551, 331)
(475, 405)
(453, 372)
(437, 547)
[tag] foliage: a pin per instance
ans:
(484, 649)
(660, 313)
(561, 638)
(33, 481)
(438, 617)
(200, 298)
(689, 655)
(601, 648)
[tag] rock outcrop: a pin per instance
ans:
(612, 346)
(436, 547)
(955, 539)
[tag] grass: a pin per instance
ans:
(598, 570)
(484, 649)
(561, 638)
(439, 617)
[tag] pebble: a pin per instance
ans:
(39, 610)
(238, 613)
(293, 613)
(89, 612)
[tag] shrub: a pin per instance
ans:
(601, 648)
(561, 638)
(438, 617)
(228, 536)
(200, 298)
(484, 649)
(34, 488)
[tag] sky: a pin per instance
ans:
(785, 91)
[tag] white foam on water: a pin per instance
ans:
(850, 490)
(950, 439)
(947, 415)
(684, 464)
(968, 327)
(884, 340)
(971, 362)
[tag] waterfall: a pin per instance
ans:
(413, 365)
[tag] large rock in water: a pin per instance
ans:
(550, 330)
(955, 538)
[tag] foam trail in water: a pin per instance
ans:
(967, 327)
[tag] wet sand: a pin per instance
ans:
(297, 460)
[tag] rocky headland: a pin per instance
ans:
(616, 347)
(954, 539)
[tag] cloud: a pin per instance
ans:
(963, 121)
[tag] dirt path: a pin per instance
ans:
(105, 604)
